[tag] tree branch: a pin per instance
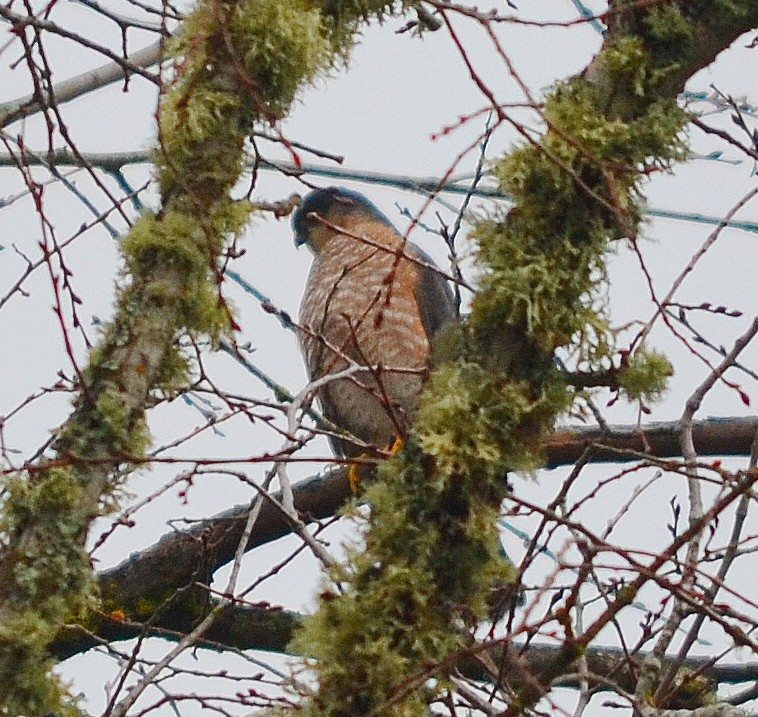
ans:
(114, 71)
(261, 627)
(181, 560)
(712, 437)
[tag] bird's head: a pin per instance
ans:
(337, 206)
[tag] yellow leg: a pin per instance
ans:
(397, 446)
(354, 472)
(354, 477)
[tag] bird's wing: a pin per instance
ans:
(433, 294)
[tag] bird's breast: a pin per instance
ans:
(362, 303)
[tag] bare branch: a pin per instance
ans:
(118, 69)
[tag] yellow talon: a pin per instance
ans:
(354, 477)
(354, 471)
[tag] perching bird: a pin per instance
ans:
(372, 300)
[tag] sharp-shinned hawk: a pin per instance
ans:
(371, 306)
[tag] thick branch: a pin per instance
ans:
(180, 559)
(271, 629)
(713, 437)
(714, 29)
(242, 627)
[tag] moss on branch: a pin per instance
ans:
(430, 544)
(236, 64)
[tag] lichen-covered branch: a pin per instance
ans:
(264, 628)
(430, 554)
(236, 64)
(152, 584)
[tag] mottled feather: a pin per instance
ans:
(367, 301)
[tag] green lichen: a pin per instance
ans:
(690, 692)
(645, 376)
(54, 493)
(284, 46)
(472, 420)
(174, 243)
(173, 373)
(430, 551)
(431, 556)
(237, 65)
(200, 144)
(52, 584)
(104, 430)
(545, 273)
(669, 31)
(178, 256)
(240, 62)
(27, 685)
